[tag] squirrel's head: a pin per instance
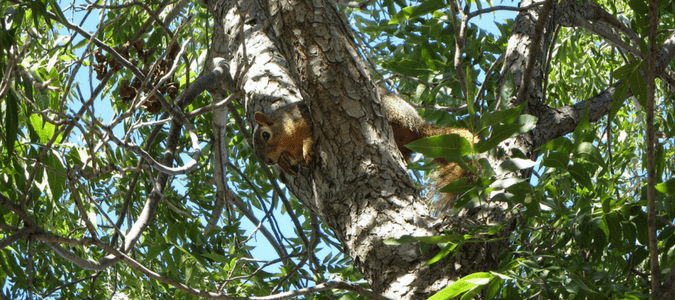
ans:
(265, 140)
(283, 138)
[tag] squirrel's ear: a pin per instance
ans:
(262, 119)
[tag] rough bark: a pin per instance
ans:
(556, 122)
(302, 50)
(516, 58)
(358, 182)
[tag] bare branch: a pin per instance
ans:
(564, 119)
(501, 7)
(84, 216)
(19, 235)
(609, 37)
(45, 295)
(479, 95)
(535, 48)
(580, 14)
(651, 143)
(460, 34)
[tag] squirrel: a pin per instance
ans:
(285, 138)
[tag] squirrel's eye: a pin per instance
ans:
(265, 136)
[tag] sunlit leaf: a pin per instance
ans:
(465, 284)
(446, 146)
(522, 124)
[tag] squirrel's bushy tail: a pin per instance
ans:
(448, 172)
(443, 203)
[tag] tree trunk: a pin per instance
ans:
(303, 51)
(358, 181)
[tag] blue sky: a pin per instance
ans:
(103, 109)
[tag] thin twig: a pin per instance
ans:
(651, 142)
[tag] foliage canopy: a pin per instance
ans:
(84, 140)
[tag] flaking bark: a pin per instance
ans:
(358, 182)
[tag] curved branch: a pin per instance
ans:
(556, 122)
(535, 48)
(21, 234)
(501, 7)
(578, 14)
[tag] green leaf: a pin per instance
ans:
(445, 250)
(590, 153)
(639, 87)
(465, 284)
(176, 232)
(582, 126)
(27, 87)
(188, 269)
(625, 71)
(629, 233)
(468, 199)
(521, 190)
(412, 12)
(583, 283)
(57, 182)
(580, 174)
(445, 146)
(500, 117)
(640, 222)
(456, 187)
(468, 70)
(39, 9)
(523, 124)
(561, 144)
(618, 99)
(615, 230)
(427, 57)
(44, 130)
(57, 11)
(494, 288)
(667, 187)
(154, 250)
(169, 261)
(515, 164)
(409, 67)
(446, 238)
(556, 160)
(639, 6)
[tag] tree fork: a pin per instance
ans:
(358, 183)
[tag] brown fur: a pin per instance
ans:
(285, 138)
(408, 126)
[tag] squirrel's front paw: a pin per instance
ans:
(307, 151)
(307, 156)
(288, 163)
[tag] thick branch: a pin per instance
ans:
(580, 14)
(556, 122)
